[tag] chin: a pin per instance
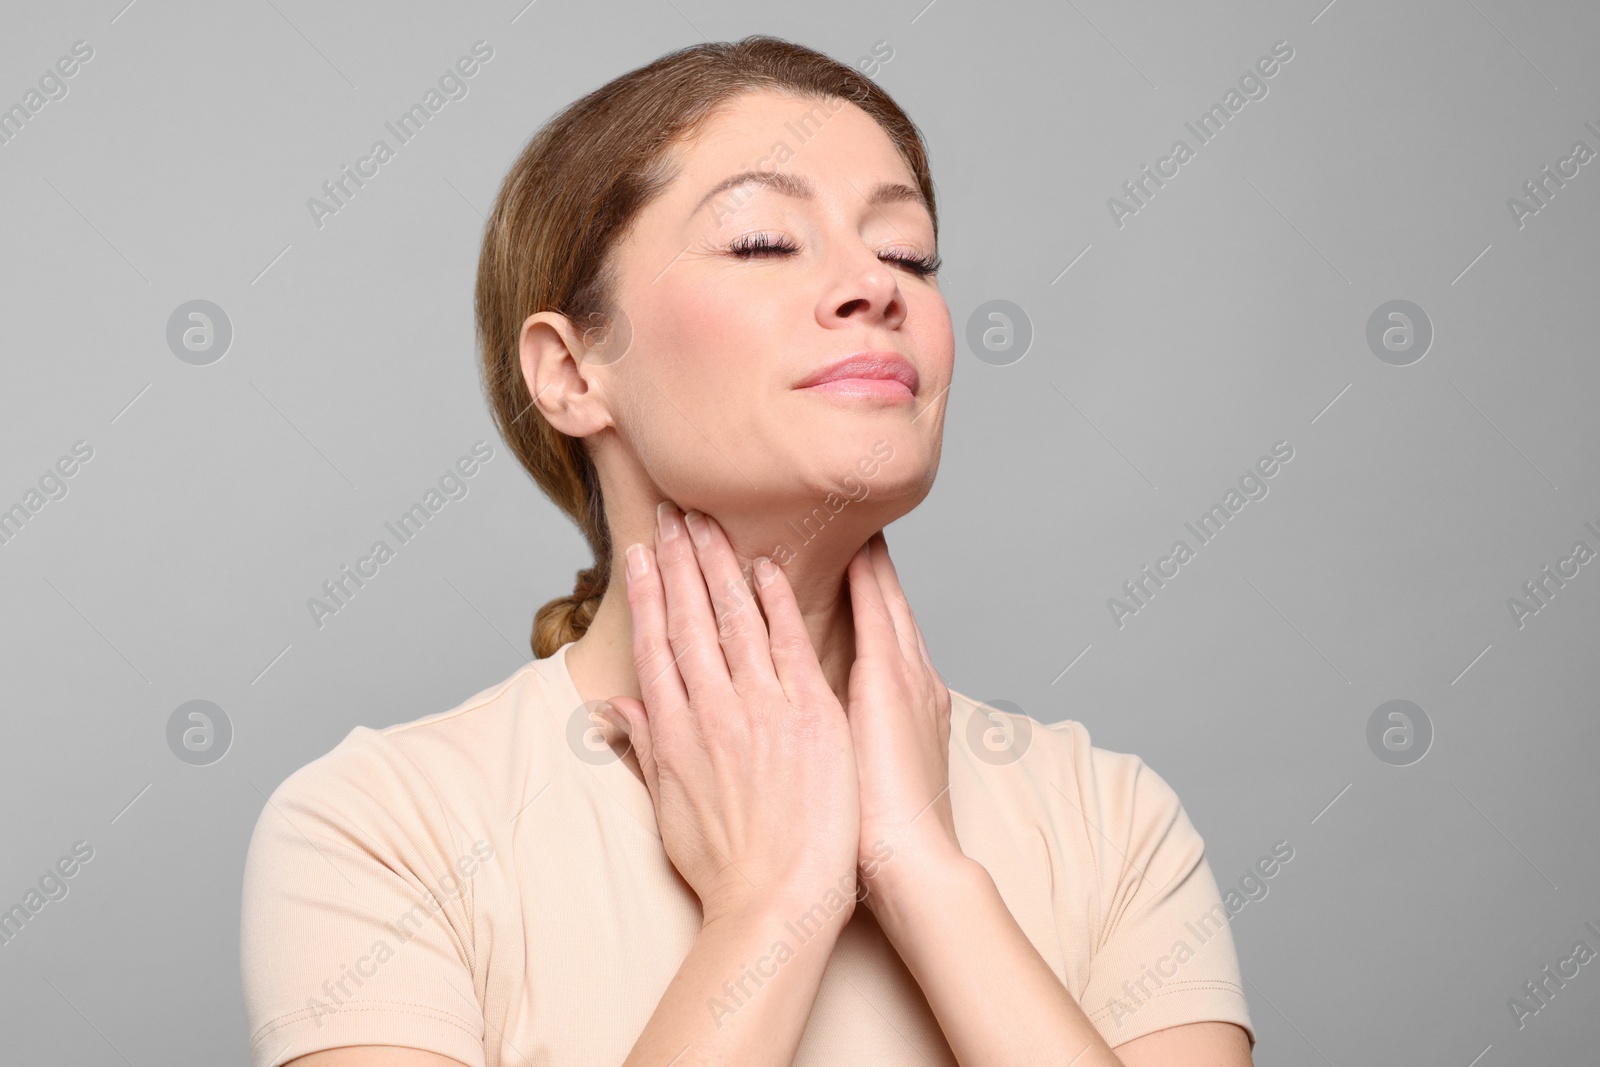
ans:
(887, 463)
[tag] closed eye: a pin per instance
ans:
(762, 244)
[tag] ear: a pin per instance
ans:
(559, 379)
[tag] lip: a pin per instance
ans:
(864, 367)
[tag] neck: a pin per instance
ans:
(601, 662)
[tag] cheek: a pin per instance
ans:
(717, 351)
(701, 369)
(935, 334)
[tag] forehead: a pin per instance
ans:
(833, 143)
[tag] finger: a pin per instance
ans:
(894, 597)
(653, 660)
(875, 629)
(794, 657)
(922, 649)
(691, 625)
(636, 721)
(740, 628)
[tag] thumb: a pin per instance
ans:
(629, 716)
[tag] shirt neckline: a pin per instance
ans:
(614, 774)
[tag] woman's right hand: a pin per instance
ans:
(744, 747)
(743, 744)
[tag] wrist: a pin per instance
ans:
(914, 881)
(803, 914)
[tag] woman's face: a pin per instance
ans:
(706, 401)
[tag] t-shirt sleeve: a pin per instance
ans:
(356, 913)
(1163, 953)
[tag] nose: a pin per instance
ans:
(864, 290)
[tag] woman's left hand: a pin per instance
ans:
(899, 712)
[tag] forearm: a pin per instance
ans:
(996, 999)
(745, 990)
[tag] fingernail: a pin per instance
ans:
(667, 520)
(637, 564)
(610, 714)
(765, 571)
(698, 529)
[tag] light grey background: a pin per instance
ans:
(1229, 313)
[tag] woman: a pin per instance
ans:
(731, 813)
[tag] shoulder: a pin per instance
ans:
(1099, 792)
(394, 836)
(1147, 945)
(383, 784)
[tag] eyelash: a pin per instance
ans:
(745, 247)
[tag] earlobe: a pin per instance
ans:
(549, 351)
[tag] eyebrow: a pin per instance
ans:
(801, 189)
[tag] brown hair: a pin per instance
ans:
(566, 202)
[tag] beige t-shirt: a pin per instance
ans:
(489, 883)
